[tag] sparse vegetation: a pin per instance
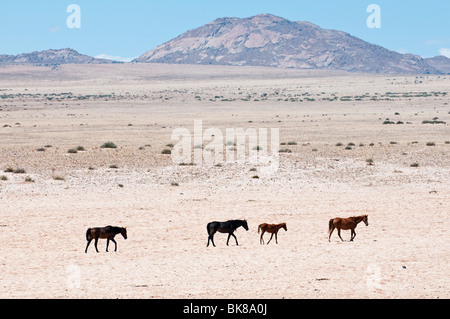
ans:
(414, 165)
(109, 145)
(28, 179)
(431, 144)
(166, 151)
(3, 178)
(434, 121)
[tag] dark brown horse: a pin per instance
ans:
(273, 229)
(346, 224)
(225, 227)
(108, 232)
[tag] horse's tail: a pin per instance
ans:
(259, 228)
(207, 228)
(88, 234)
(330, 225)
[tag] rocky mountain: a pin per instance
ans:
(268, 40)
(441, 63)
(51, 57)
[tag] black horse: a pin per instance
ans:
(225, 227)
(108, 232)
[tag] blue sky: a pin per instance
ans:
(127, 29)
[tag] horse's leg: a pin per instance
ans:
(95, 243)
(229, 235)
(112, 239)
(276, 239)
(353, 234)
(211, 238)
(270, 239)
(235, 238)
(261, 240)
(331, 232)
(89, 241)
(339, 234)
(211, 233)
(107, 244)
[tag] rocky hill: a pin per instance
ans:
(268, 40)
(51, 57)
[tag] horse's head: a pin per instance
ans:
(284, 226)
(123, 231)
(245, 225)
(366, 220)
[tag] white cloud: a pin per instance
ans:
(114, 58)
(445, 52)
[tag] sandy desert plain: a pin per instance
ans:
(45, 211)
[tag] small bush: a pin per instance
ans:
(431, 144)
(285, 150)
(28, 179)
(339, 144)
(414, 165)
(113, 166)
(80, 148)
(3, 178)
(174, 184)
(72, 151)
(41, 149)
(292, 143)
(58, 178)
(166, 151)
(369, 162)
(109, 145)
(9, 170)
(19, 171)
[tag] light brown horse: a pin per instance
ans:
(108, 232)
(273, 229)
(346, 224)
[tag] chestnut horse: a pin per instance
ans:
(346, 224)
(273, 229)
(108, 232)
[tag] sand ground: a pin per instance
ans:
(403, 253)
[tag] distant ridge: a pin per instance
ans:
(268, 40)
(52, 57)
